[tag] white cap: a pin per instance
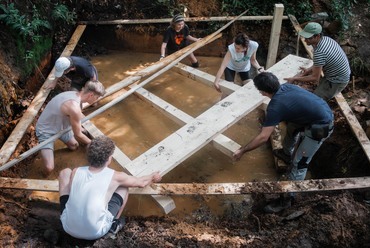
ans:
(61, 65)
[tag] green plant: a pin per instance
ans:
(33, 32)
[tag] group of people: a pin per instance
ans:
(309, 118)
(93, 197)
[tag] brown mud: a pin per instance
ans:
(330, 219)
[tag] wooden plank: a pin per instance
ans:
(113, 102)
(174, 59)
(171, 60)
(298, 28)
(13, 140)
(210, 188)
(275, 35)
(188, 19)
(205, 78)
(165, 202)
(220, 142)
(342, 103)
(170, 152)
(354, 124)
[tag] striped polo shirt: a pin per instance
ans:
(333, 60)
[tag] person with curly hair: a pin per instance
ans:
(92, 197)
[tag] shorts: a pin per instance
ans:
(230, 75)
(327, 90)
(44, 136)
(114, 205)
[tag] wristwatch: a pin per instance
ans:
(259, 68)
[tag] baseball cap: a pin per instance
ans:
(61, 65)
(310, 30)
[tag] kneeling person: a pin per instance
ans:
(93, 197)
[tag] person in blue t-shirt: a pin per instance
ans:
(309, 122)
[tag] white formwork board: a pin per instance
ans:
(180, 145)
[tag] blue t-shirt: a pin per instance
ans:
(294, 104)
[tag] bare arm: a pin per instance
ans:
(311, 74)
(73, 110)
(163, 49)
(191, 38)
(255, 63)
(125, 180)
(221, 70)
(261, 138)
(51, 84)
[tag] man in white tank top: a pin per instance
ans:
(93, 197)
(64, 111)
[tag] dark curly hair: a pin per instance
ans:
(99, 151)
(242, 39)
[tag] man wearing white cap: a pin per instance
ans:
(328, 57)
(79, 70)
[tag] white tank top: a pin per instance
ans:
(52, 120)
(241, 62)
(86, 215)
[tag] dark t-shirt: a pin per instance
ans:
(294, 104)
(175, 40)
(83, 73)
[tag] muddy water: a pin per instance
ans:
(136, 126)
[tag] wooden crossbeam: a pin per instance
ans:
(220, 142)
(187, 19)
(210, 188)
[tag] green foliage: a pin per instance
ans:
(300, 9)
(61, 13)
(33, 31)
(341, 10)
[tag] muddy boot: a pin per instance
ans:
(195, 65)
(278, 205)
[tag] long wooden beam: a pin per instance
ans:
(220, 142)
(13, 140)
(112, 103)
(210, 188)
(181, 55)
(189, 19)
(354, 124)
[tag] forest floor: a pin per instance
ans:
(330, 219)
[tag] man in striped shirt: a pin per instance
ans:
(329, 58)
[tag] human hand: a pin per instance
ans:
(50, 86)
(156, 177)
(261, 69)
(162, 57)
(238, 154)
(290, 80)
(217, 87)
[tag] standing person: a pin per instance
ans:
(64, 111)
(93, 197)
(328, 57)
(309, 122)
(239, 57)
(176, 37)
(78, 69)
